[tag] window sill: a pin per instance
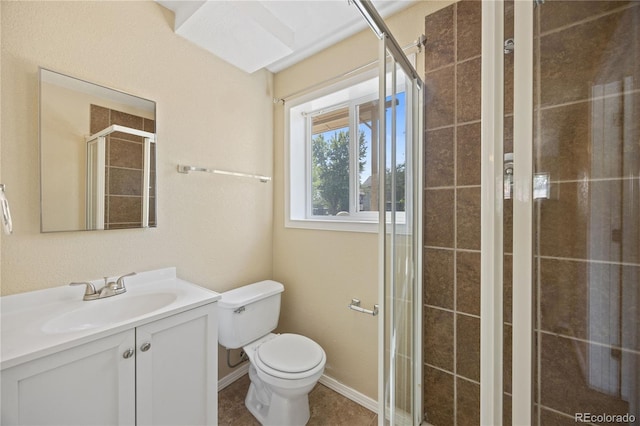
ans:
(333, 225)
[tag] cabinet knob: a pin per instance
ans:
(145, 347)
(128, 353)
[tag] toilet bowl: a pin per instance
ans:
(283, 368)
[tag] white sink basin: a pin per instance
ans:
(46, 321)
(100, 313)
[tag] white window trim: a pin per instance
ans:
(296, 172)
(346, 93)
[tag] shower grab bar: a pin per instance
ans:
(186, 169)
(355, 306)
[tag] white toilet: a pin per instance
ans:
(283, 367)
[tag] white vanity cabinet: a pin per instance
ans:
(90, 384)
(177, 369)
(159, 372)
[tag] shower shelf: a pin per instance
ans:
(187, 169)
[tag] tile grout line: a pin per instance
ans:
(455, 62)
(440, 308)
(553, 410)
(605, 179)
(585, 20)
(596, 261)
(588, 342)
(451, 249)
(450, 126)
(455, 213)
(455, 376)
(453, 187)
(585, 100)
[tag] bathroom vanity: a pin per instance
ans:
(148, 356)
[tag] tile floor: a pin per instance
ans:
(328, 408)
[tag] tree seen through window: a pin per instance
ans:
(332, 181)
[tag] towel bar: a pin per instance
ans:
(186, 169)
(355, 306)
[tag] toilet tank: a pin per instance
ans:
(247, 313)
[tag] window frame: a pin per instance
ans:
(298, 197)
(354, 184)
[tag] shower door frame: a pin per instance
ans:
(522, 363)
(388, 46)
(388, 235)
(492, 253)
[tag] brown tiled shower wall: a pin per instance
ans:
(587, 234)
(452, 216)
(124, 168)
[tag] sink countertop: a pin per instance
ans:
(26, 335)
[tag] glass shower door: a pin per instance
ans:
(400, 242)
(400, 230)
(586, 228)
(576, 213)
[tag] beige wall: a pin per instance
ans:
(63, 144)
(323, 270)
(216, 230)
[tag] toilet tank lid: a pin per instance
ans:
(244, 295)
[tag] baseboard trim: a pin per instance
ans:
(233, 376)
(344, 390)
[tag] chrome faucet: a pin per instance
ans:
(112, 288)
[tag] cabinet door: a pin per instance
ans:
(90, 384)
(177, 369)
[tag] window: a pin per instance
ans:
(333, 163)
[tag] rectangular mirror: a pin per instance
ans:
(97, 156)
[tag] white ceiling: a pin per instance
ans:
(271, 34)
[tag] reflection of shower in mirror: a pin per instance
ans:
(107, 180)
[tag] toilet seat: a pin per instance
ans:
(290, 356)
